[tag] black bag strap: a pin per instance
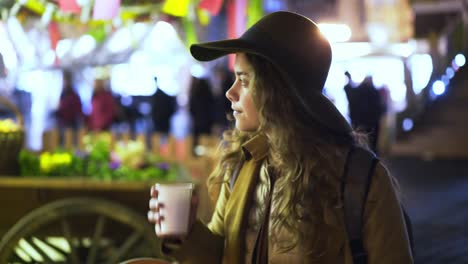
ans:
(358, 171)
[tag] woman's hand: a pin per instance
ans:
(156, 218)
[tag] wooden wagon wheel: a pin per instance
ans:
(79, 230)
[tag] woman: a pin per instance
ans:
(281, 168)
(69, 112)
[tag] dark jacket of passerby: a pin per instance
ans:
(202, 106)
(365, 109)
(163, 107)
(223, 106)
(69, 113)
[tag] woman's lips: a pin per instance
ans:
(236, 112)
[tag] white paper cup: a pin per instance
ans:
(176, 199)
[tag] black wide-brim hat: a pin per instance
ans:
(294, 44)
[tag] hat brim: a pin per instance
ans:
(212, 50)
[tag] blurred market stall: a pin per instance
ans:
(135, 48)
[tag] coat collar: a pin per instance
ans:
(256, 148)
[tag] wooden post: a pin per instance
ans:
(188, 148)
(46, 138)
(141, 137)
(114, 139)
(81, 133)
(125, 137)
(171, 147)
(50, 140)
(68, 139)
(55, 139)
(155, 143)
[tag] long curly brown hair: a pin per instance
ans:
(303, 155)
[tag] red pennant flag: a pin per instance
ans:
(212, 6)
(69, 6)
(105, 9)
(54, 36)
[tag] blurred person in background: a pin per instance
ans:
(224, 79)
(281, 169)
(163, 106)
(366, 108)
(103, 107)
(21, 99)
(202, 108)
(69, 113)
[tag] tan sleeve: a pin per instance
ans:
(385, 236)
(205, 244)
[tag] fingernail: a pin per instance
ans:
(157, 229)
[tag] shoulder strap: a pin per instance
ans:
(358, 171)
(234, 175)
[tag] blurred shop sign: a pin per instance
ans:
(389, 21)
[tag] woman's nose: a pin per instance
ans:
(232, 94)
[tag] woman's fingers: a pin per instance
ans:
(155, 217)
(157, 229)
(153, 213)
(155, 205)
(151, 217)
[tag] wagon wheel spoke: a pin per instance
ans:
(125, 247)
(55, 222)
(33, 243)
(96, 239)
(55, 247)
(68, 237)
(55, 252)
(21, 256)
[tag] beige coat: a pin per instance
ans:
(223, 239)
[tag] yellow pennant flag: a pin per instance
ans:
(203, 16)
(178, 8)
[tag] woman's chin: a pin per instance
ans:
(245, 128)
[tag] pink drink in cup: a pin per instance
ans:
(176, 199)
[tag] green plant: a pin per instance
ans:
(129, 161)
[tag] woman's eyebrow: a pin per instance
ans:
(242, 73)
